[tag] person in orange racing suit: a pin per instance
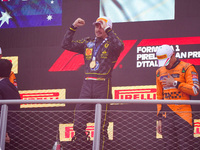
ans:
(175, 80)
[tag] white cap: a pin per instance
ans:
(106, 19)
(0, 51)
(164, 54)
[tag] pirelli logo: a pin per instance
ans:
(66, 131)
(162, 56)
(135, 92)
(14, 61)
(42, 95)
(196, 127)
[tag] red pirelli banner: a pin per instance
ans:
(66, 131)
(42, 95)
(196, 128)
(134, 92)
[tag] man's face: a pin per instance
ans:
(171, 62)
(99, 31)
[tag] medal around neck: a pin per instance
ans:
(92, 64)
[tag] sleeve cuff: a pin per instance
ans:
(72, 28)
(178, 83)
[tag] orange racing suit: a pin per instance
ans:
(12, 79)
(188, 85)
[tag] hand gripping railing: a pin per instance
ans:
(98, 109)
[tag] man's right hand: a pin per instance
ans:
(7, 138)
(79, 22)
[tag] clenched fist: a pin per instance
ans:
(79, 22)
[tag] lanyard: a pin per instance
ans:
(97, 49)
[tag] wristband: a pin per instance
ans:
(175, 83)
(73, 28)
(178, 84)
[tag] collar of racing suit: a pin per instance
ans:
(175, 64)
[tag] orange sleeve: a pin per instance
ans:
(159, 91)
(12, 77)
(191, 85)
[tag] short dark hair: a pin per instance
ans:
(5, 68)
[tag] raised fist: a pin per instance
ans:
(79, 22)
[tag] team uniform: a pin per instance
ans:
(177, 119)
(8, 90)
(97, 80)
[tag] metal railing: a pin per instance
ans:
(98, 110)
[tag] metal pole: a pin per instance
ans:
(101, 101)
(4, 115)
(97, 127)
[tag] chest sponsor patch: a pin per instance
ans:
(175, 75)
(162, 77)
(90, 44)
(104, 54)
(194, 73)
(106, 45)
(88, 52)
(194, 76)
(196, 82)
(194, 79)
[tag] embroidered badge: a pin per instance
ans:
(104, 54)
(88, 53)
(106, 45)
(90, 44)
